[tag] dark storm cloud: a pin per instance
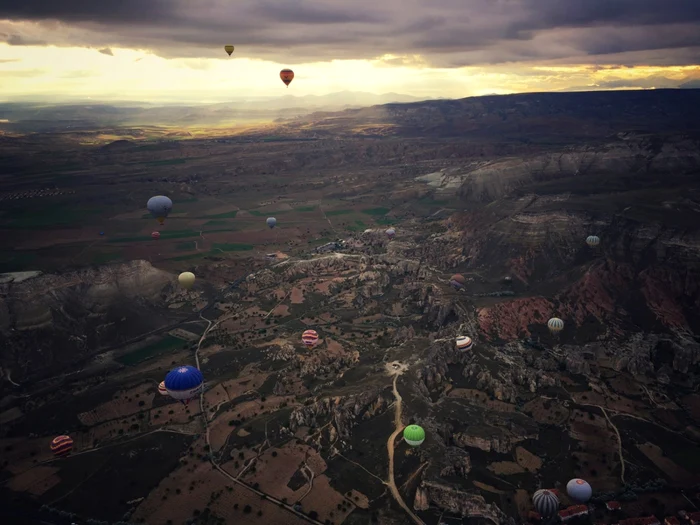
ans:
(449, 33)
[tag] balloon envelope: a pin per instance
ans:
(271, 222)
(61, 445)
(184, 382)
(155, 235)
(555, 324)
(546, 503)
(229, 49)
(309, 337)
(159, 206)
(579, 490)
(186, 280)
(287, 75)
(414, 435)
(464, 342)
(391, 232)
(592, 240)
(162, 390)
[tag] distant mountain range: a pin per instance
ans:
(33, 116)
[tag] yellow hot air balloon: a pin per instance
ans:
(186, 280)
(287, 75)
(229, 49)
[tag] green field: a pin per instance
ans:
(305, 208)
(190, 256)
(166, 162)
(358, 226)
(186, 246)
(377, 211)
(267, 213)
(385, 221)
(50, 215)
(168, 234)
(233, 247)
(105, 257)
(163, 346)
(227, 215)
(335, 213)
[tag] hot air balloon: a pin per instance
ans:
(159, 206)
(271, 222)
(229, 49)
(309, 338)
(155, 235)
(184, 383)
(390, 233)
(458, 281)
(414, 435)
(287, 75)
(162, 390)
(592, 240)
(61, 446)
(464, 343)
(186, 280)
(555, 325)
(579, 490)
(102, 233)
(546, 503)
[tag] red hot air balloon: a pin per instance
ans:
(309, 338)
(155, 235)
(61, 446)
(287, 75)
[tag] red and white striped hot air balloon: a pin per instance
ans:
(162, 390)
(464, 343)
(155, 235)
(309, 338)
(61, 446)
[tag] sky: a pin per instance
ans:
(172, 50)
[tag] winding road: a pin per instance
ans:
(398, 427)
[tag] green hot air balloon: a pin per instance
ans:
(414, 435)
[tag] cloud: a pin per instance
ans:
(444, 33)
(106, 51)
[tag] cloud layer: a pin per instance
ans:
(446, 33)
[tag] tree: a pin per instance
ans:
(313, 514)
(247, 509)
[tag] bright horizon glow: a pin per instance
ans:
(62, 73)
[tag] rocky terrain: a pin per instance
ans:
(612, 398)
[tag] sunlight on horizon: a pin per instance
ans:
(136, 75)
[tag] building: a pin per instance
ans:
(575, 511)
(694, 518)
(613, 505)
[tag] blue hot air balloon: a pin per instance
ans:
(271, 222)
(102, 233)
(159, 206)
(579, 490)
(184, 383)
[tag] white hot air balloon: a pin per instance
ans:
(186, 280)
(464, 343)
(555, 325)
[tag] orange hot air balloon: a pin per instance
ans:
(287, 75)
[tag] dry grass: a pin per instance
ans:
(297, 296)
(210, 489)
(670, 468)
(479, 398)
(35, 481)
(505, 468)
(547, 411)
(124, 403)
(527, 459)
